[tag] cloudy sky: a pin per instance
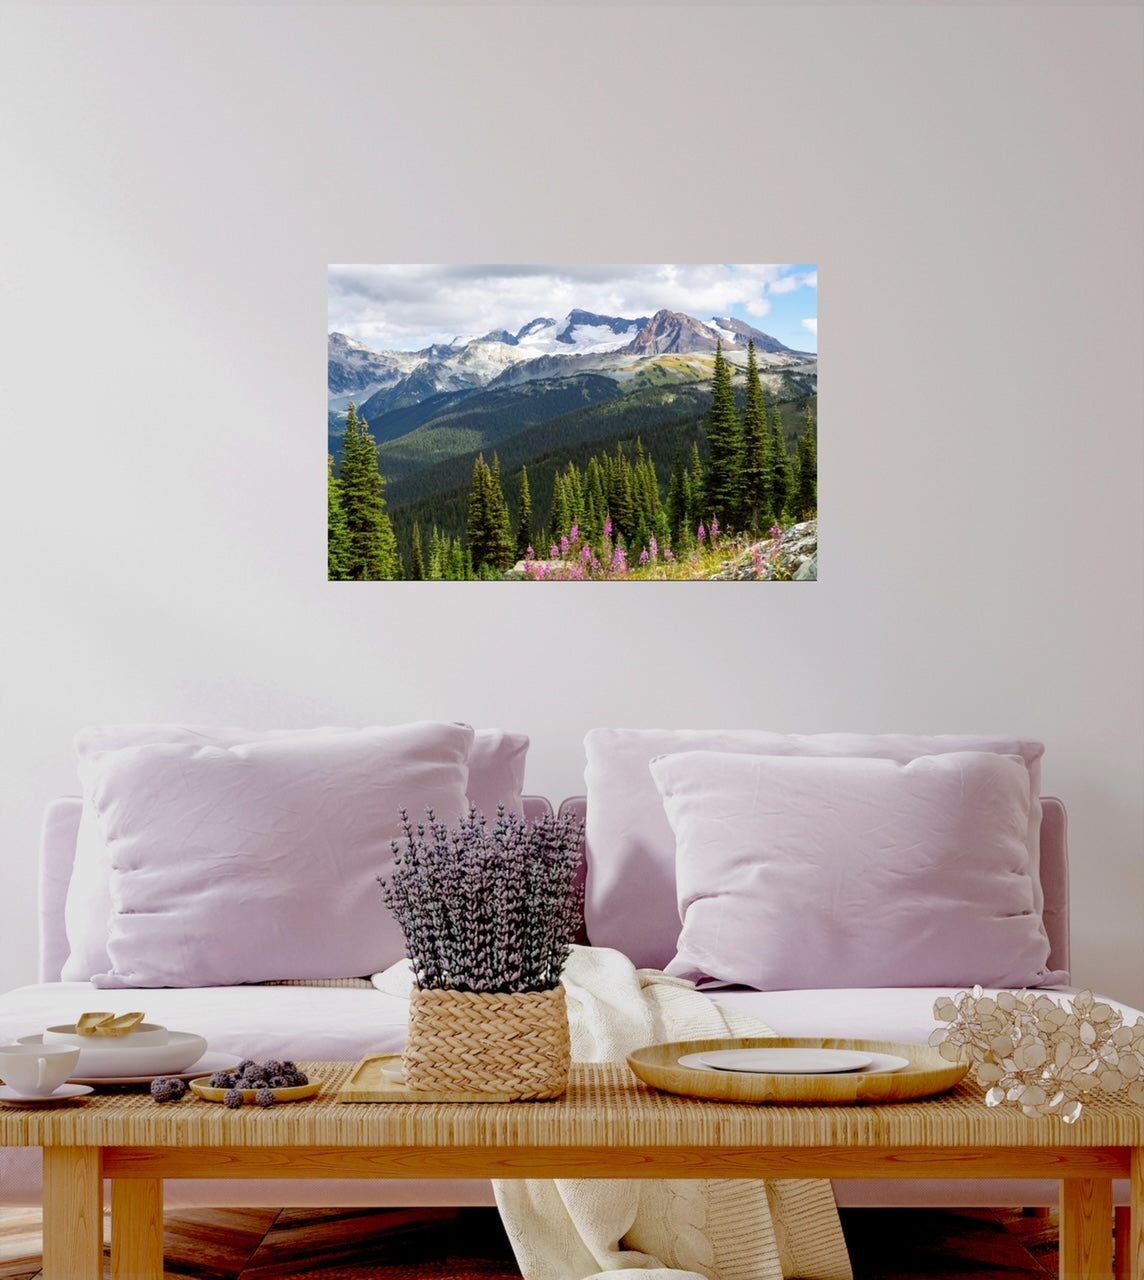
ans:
(401, 307)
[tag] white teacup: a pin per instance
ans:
(37, 1070)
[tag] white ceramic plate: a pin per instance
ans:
(62, 1094)
(116, 1057)
(784, 1062)
(208, 1064)
(877, 1062)
(146, 1033)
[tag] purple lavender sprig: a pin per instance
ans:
(487, 908)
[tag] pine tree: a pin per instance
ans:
(756, 468)
(524, 519)
(504, 549)
(782, 478)
(595, 505)
(417, 571)
(697, 480)
(372, 547)
(560, 521)
(485, 522)
(805, 501)
(337, 531)
(678, 514)
(724, 488)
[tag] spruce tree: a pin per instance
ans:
(756, 467)
(524, 519)
(782, 478)
(677, 498)
(805, 500)
(724, 488)
(489, 543)
(697, 480)
(417, 569)
(337, 531)
(503, 544)
(372, 547)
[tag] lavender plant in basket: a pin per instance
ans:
(489, 913)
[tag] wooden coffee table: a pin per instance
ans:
(608, 1125)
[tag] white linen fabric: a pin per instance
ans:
(715, 1229)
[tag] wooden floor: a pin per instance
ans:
(468, 1244)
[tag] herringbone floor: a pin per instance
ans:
(468, 1244)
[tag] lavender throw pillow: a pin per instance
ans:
(630, 900)
(802, 872)
(496, 776)
(260, 860)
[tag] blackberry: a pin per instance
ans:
(232, 1098)
(167, 1089)
(266, 1097)
(222, 1080)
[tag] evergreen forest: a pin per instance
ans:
(674, 501)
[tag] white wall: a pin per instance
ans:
(967, 177)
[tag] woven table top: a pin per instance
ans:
(605, 1106)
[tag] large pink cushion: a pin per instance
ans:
(260, 861)
(630, 900)
(803, 872)
(496, 776)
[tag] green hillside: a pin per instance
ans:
(439, 497)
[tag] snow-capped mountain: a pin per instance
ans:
(583, 341)
(355, 371)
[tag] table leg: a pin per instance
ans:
(136, 1229)
(1086, 1229)
(73, 1213)
(1134, 1245)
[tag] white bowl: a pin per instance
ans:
(115, 1055)
(146, 1033)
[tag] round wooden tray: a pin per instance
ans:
(927, 1073)
(294, 1093)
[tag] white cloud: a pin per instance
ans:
(405, 307)
(812, 325)
(796, 280)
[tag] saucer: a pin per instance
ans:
(62, 1094)
(208, 1062)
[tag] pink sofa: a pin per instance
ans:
(345, 1022)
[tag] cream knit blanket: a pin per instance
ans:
(670, 1229)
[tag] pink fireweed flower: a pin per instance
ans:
(608, 527)
(554, 552)
(586, 553)
(669, 554)
(701, 533)
(643, 556)
(575, 533)
(595, 564)
(564, 544)
(530, 554)
(714, 529)
(653, 547)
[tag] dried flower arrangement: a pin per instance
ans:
(489, 915)
(1029, 1049)
(487, 909)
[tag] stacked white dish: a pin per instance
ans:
(146, 1051)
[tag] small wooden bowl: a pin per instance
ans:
(294, 1093)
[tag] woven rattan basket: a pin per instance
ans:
(487, 1042)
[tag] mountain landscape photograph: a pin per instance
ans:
(572, 422)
